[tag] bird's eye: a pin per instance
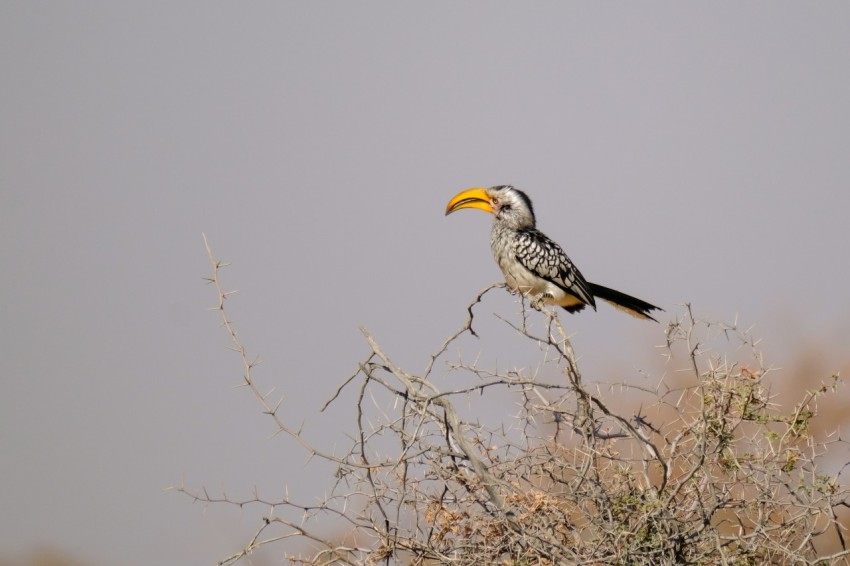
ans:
(495, 201)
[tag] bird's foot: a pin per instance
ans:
(539, 301)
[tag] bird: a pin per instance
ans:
(533, 264)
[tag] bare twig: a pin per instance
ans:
(704, 469)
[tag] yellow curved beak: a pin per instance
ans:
(470, 198)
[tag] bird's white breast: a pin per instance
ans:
(520, 279)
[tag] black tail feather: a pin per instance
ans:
(627, 303)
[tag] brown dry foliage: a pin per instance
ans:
(701, 467)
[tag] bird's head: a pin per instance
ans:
(510, 206)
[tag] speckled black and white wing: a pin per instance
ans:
(546, 260)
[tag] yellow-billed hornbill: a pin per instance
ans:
(533, 264)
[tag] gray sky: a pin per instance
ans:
(678, 152)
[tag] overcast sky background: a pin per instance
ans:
(678, 152)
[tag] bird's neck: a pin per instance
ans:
(502, 226)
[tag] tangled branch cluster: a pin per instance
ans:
(700, 468)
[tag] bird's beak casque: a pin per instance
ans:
(470, 198)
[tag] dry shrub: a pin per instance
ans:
(701, 467)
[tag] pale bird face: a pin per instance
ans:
(510, 206)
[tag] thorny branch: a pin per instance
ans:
(701, 467)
